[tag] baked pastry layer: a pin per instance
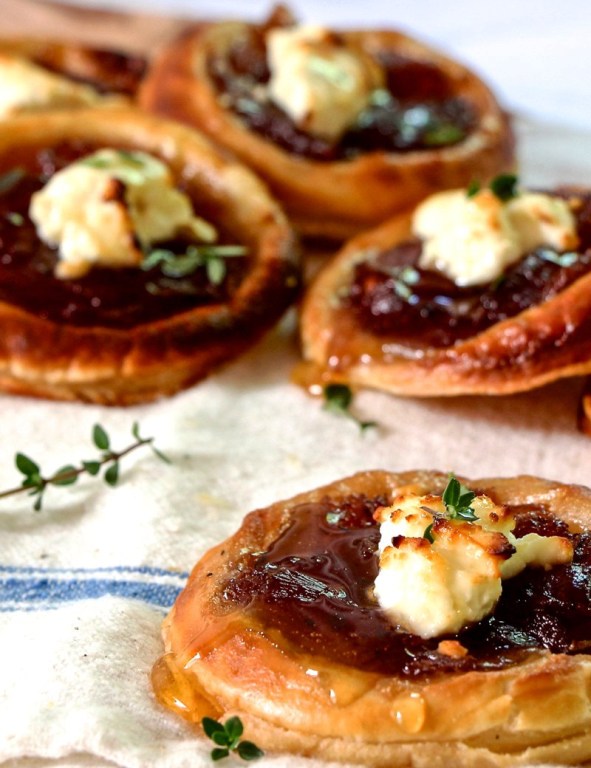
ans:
(339, 198)
(47, 355)
(540, 336)
(108, 71)
(223, 656)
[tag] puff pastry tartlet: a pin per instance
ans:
(491, 300)
(280, 626)
(416, 121)
(129, 330)
(37, 74)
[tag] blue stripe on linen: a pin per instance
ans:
(27, 588)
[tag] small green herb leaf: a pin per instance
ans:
(65, 476)
(25, 465)
(211, 726)
(457, 499)
(16, 219)
(473, 188)
(561, 259)
(100, 438)
(428, 533)
(219, 754)
(249, 751)
(234, 730)
(504, 186)
(112, 474)
(92, 467)
(442, 135)
(10, 179)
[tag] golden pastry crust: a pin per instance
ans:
(331, 199)
(533, 711)
(545, 342)
(110, 72)
(151, 359)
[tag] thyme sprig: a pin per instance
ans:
(36, 484)
(227, 737)
(211, 257)
(338, 399)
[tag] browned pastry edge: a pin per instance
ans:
(55, 360)
(80, 62)
(337, 199)
(534, 711)
(537, 346)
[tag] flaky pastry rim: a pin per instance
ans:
(124, 366)
(334, 199)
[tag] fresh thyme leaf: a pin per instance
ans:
(443, 134)
(10, 179)
(473, 188)
(249, 751)
(65, 476)
(457, 499)
(112, 474)
(562, 259)
(100, 438)
(234, 730)
(26, 465)
(211, 726)
(227, 737)
(92, 467)
(428, 533)
(16, 219)
(504, 186)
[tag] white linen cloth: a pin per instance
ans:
(84, 583)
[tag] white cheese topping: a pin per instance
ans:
(104, 209)
(433, 588)
(319, 82)
(474, 239)
(26, 87)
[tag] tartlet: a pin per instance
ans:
(128, 335)
(373, 318)
(334, 190)
(277, 625)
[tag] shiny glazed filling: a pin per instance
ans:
(119, 299)
(415, 111)
(391, 296)
(314, 585)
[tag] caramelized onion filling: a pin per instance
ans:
(416, 110)
(392, 296)
(314, 585)
(118, 299)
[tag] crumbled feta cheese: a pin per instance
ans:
(433, 588)
(27, 87)
(474, 239)
(104, 209)
(318, 81)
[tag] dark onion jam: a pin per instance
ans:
(416, 109)
(314, 584)
(112, 298)
(391, 296)
(106, 71)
